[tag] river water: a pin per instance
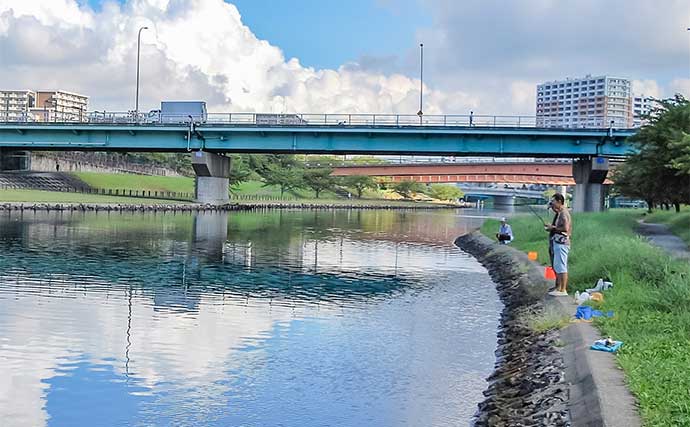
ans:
(276, 318)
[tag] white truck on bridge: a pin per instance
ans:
(179, 112)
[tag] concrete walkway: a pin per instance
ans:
(599, 395)
(660, 236)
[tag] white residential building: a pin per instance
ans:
(60, 105)
(642, 106)
(16, 104)
(589, 101)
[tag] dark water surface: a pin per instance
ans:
(280, 318)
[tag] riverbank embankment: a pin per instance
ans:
(528, 384)
(545, 372)
(650, 301)
(195, 207)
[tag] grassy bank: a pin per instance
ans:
(678, 223)
(121, 181)
(180, 184)
(651, 300)
(39, 196)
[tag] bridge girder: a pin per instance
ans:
(455, 141)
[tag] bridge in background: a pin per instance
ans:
(502, 196)
(515, 136)
(502, 172)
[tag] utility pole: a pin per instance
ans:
(136, 102)
(421, 82)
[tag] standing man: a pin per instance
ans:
(505, 232)
(560, 231)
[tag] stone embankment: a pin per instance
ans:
(528, 386)
(193, 207)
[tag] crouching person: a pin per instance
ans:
(505, 232)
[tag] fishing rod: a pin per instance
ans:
(531, 209)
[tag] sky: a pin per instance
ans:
(329, 56)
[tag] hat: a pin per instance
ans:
(503, 219)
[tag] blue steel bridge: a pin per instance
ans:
(454, 135)
(444, 135)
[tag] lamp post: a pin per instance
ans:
(136, 102)
(420, 113)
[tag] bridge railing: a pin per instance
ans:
(304, 119)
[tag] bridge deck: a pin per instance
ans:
(332, 139)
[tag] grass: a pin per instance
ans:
(127, 181)
(186, 185)
(39, 196)
(547, 320)
(678, 223)
(651, 301)
(257, 188)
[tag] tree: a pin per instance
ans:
(239, 169)
(284, 171)
(446, 192)
(659, 170)
(360, 183)
(406, 188)
(319, 180)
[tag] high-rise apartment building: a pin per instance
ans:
(585, 102)
(60, 105)
(642, 106)
(15, 104)
(42, 106)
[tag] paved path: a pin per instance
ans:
(659, 235)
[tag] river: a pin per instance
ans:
(274, 318)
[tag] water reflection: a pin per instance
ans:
(274, 318)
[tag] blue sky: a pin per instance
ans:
(329, 33)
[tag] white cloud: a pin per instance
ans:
(647, 88)
(484, 55)
(195, 49)
(681, 86)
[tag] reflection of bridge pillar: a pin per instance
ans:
(504, 200)
(590, 190)
(210, 234)
(212, 173)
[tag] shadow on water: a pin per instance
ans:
(269, 318)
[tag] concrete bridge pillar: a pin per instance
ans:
(212, 173)
(590, 190)
(504, 200)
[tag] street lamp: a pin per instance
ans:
(421, 81)
(136, 105)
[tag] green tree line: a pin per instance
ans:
(659, 169)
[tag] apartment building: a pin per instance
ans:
(589, 101)
(642, 106)
(15, 104)
(60, 105)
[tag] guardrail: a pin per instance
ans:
(364, 120)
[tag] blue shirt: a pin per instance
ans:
(505, 229)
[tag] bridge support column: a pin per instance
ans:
(212, 173)
(504, 200)
(590, 190)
